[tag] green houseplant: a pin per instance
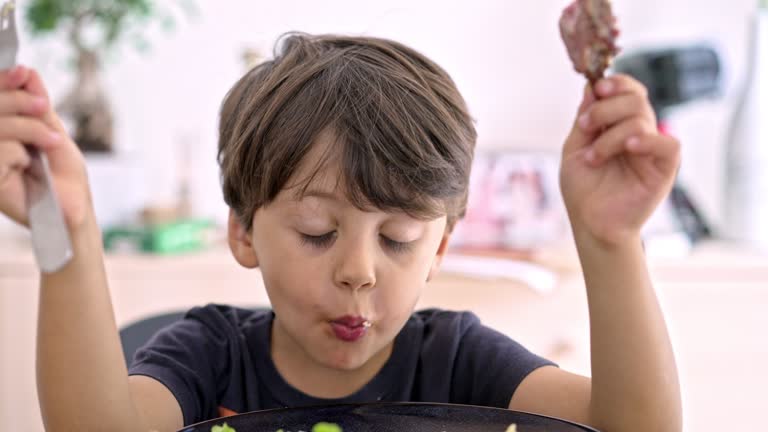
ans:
(93, 29)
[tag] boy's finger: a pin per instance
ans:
(610, 111)
(21, 102)
(615, 140)
(664, 148)
(13, 155)
(619, 84)
(35, 86)
(578, 138)
(587, 99)
(14, 78)
(29, 131)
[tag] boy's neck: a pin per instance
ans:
(316, 380)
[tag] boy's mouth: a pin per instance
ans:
(350, 328)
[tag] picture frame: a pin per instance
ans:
(514, 202)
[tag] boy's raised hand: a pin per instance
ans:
(26, 118)
(616, 167)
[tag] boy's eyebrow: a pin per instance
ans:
(318, 194)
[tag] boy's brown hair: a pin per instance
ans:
(401, 129)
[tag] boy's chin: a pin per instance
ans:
(346, 359)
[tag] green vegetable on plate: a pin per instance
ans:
(326, 427)
(223, 428)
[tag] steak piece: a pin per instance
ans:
(589, 31)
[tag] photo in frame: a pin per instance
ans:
(514, 203)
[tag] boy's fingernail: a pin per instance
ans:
(584, 121)
(605, 86)
(633, 143)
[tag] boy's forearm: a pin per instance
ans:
(635, 385)
(81, 375)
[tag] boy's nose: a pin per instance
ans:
(355, 269)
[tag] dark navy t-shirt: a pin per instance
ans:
(217, 362)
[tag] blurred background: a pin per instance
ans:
(506, 57)
(145, 110)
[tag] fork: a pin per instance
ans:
(50, 238)
(9, 39)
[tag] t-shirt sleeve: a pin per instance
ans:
(188, 357)
(490, 365)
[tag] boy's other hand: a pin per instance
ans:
(616, 167)
(27, 119)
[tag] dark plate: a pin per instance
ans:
(392, 417)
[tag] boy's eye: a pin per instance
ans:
(320, 241)
(325, 240)
(396, 246)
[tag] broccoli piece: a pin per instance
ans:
(223, 428)
(326, 427)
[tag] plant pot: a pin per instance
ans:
(86, 109)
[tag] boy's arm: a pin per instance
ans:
(615, 170)
(83, 382)
(634, 376)
(634, 384)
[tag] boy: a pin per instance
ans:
(345, 163)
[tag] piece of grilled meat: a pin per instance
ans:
(589, 31)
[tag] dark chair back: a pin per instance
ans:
(136, 334)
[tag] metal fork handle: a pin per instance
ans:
(9, 38)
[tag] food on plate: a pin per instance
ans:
(589, 31)
(223, 428)
(326, 427)
(319, 427)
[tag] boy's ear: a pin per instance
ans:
(240, 242)
(439, 255)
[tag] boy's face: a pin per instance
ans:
(342, 281)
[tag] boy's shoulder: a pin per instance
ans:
(442, 317)
(444, 325)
